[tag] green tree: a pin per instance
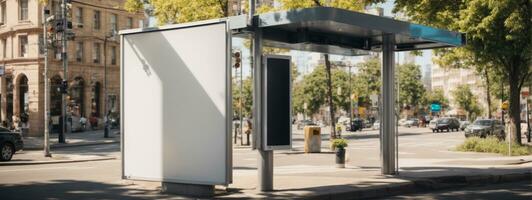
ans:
(312, 90)
(246, 100)
(368, 79)
(179, 11)
(467, 101)
(498, 34)
(411, 90)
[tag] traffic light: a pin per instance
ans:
(236, 59)
(58, 25)
(64, 87)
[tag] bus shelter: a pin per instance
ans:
(166, 69)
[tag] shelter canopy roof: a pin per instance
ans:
(338, 31)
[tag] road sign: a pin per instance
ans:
(505, 105)
(525, 92)
(435, 107)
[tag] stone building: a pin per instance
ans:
(22, 60)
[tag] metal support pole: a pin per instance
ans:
(106, 114)
(251, 12)
(241, 110)
(46, 86)
(350, 99)
(388, 131)
(65, 70)
(528, 115)
(265, 158)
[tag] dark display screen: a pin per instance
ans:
(278, 102)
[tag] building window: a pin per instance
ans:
(129, 23)
(4, 48)
(114, 23)
(79, 52)
(113, 55)
(23, 45)
(79, 17)
(23, 9)
(3, 17)
(96, 53)
(96, 20)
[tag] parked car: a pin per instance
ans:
(376, 125)
(401, 122)
(464, 124)
(446, 123)
(485, 127)
(356, 125)
(411, 122)
(305, 122)
(367, 124)
(10, 142)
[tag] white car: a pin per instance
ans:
(376, 125)
(402, 122)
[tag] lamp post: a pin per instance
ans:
(46, 145)
(106, 109)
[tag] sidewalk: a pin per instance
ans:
(73, 139)
(358, 182)
(37, 158)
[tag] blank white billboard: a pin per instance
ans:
(176, 104)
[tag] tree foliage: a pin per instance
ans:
(498, 34)
(179, 11)
(411, 90)
(467, 101)
(368, 79)
(312, 89)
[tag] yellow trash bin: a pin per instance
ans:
(312, 139)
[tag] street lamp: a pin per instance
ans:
(106, 109)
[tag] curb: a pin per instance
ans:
(53, 161)
(415, 186)
(56, 146)
(438, 183)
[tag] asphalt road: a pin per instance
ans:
(510, 191)
(101, 179)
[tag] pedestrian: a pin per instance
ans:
(83, 122)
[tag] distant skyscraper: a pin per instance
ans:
(426, 76)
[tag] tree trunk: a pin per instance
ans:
(514, 110)
(488, 90)
(329, 94)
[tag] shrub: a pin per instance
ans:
(339, 143)
(492, 145)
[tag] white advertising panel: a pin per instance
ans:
(175, 96)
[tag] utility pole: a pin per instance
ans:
(106, 128)
(45, 13)
(502, 101)
(65, 70)
(350, 98)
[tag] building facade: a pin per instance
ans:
(449, 79)
(89, 54)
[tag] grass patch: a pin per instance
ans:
(492, 145)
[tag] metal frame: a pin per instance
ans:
(265, 103)
(229, 98)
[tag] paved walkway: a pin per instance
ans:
(73, 139)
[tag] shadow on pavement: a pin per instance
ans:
(74, 189)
